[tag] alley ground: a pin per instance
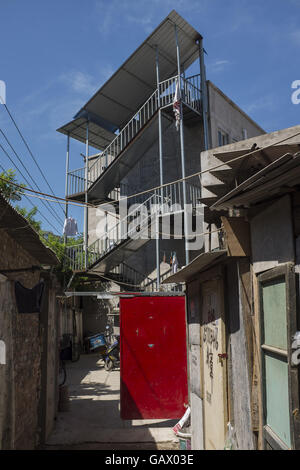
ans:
(93, 421)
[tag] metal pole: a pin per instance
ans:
(204, 95)
(185, 214)
(86, 196)
(161, 178)
(67, 181)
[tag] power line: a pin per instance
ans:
(49, 195)
(28, 148)
(34, 182)
(198, 173)
(51, 200)
(50, 209)
(41, 214)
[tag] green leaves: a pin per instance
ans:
(8, 190)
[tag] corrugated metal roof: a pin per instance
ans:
(275, 179)
(200, 263)
(17, 228)
(99, 137)
(130, 86)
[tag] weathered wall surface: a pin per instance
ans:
(23, 334)
(7, 402)
(228, 117)
(27, 378)
(193, 318)
(268, 229)
(239, 377)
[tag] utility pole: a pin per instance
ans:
(86, 196)
(161, 179)
(67, 182)
(185, 214)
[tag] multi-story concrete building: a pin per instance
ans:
(141, 144)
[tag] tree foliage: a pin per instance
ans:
(7, 188)
(54, 242)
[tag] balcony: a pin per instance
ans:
(107, 169)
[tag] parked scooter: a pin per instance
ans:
(112, 356)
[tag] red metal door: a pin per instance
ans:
(153, 357)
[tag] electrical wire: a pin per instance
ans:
(53, 213)
(27, 172)
(41, 214)
(50, 200)
(27, 146)
(202, 172)
(48, 195)
(198, 173)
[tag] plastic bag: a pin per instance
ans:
(230, 441)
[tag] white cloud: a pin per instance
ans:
(266, 102)
(143, 13)
(218, 66)
(80, 82)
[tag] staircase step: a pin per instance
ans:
(217, 189)
(208, 201)
(225, 176)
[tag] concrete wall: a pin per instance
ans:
(209, 160)
(228, 117)
(268, 229)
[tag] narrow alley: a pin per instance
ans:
(93, 420)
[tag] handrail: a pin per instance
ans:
(120, 231)
(163, 96)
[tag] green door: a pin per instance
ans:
(278, 319)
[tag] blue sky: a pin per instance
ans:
(54, 55)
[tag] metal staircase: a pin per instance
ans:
(163, 98)
(133, 231)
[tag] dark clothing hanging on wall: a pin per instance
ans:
(29, 300)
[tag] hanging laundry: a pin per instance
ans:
(70, 227)
(29, 300)
(174, 263)
(177, 104)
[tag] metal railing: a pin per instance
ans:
(166, 200)
(130, 276)
(190, 95)
(125, 136)
(131, 226)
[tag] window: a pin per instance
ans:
(245, 134)
(278, 324)
(223, 138)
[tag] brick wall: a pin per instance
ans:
(27, 378)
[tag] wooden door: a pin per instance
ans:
(214, 366)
